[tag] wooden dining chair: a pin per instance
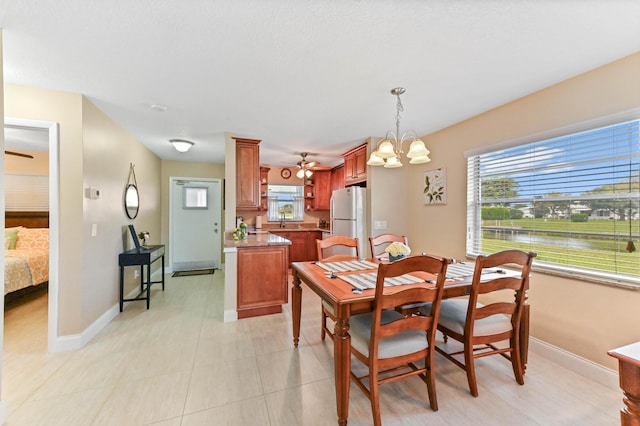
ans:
(480, 327)
(389, 343)
(350, 244)
(380, 242)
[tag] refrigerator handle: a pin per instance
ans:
(331, 214)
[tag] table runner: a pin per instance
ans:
(347, 266)
(368, 280)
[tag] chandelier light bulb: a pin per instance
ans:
(389, 149)
(393, 163)
(374, 160)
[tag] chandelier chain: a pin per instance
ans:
(399, 108)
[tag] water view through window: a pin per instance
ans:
(573, 199)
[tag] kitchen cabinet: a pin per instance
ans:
(264, 188)
(303, 244)
(355, 165)
(322, 184)
(247, 174)
(337, 178)
(262, 280)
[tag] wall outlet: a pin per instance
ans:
(136, 273)
(380, 224)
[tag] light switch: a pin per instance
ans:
(94, 229)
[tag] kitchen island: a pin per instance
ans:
(261, 273)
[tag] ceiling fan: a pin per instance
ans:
(305, 168)
(18, 154)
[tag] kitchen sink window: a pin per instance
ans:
(286, 203)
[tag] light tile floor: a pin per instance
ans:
(179, 364)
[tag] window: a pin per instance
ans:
(286, 202)
(194, 197)
(573, 199)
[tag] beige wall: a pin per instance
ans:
(108, 150)
(584, 318)
(94, 152)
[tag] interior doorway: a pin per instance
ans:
(195, 223)
(24, 128)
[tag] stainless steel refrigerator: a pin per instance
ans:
(348, 217)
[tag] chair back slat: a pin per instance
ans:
(504, 283)
(397, 296)
(338, 241)
(504, 308)
(517, 286)
(378, 243)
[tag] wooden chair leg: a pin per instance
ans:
(431, 382)
(374, 396)
(324, 324)
(471, 369)
(516, 361)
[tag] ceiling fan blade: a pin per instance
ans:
(18, 154)
(312, 164)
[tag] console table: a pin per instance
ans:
(144, 256)
(629, 366)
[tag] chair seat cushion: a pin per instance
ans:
(329, 308)
(453, 315)
(399, 344)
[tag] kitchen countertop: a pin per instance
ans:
(301, 229)
(257, 240)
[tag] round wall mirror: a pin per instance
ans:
(131, 201)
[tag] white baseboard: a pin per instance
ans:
(575, 363)
(77, 341)
(230, 315)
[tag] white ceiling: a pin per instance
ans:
(304, 75)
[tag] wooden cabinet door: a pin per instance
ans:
(337, 178)
(262, 280)
(247, 174)
(322, 183)
(355, 165)
(349, 168)
(360, 163)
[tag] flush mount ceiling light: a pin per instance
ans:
(181, 145)
(389, 150)
(305, 166)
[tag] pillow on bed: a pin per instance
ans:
(10, 238)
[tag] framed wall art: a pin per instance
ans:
(435, 187)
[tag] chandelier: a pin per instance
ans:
(389, 149)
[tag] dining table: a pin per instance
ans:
(346, 302)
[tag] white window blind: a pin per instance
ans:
(28, 193)
(573, 199)
(285, 203)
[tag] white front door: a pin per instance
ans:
(195, 227)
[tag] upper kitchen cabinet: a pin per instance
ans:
(355, 165)
(322, 185)
(337, 177)
(247, 174)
